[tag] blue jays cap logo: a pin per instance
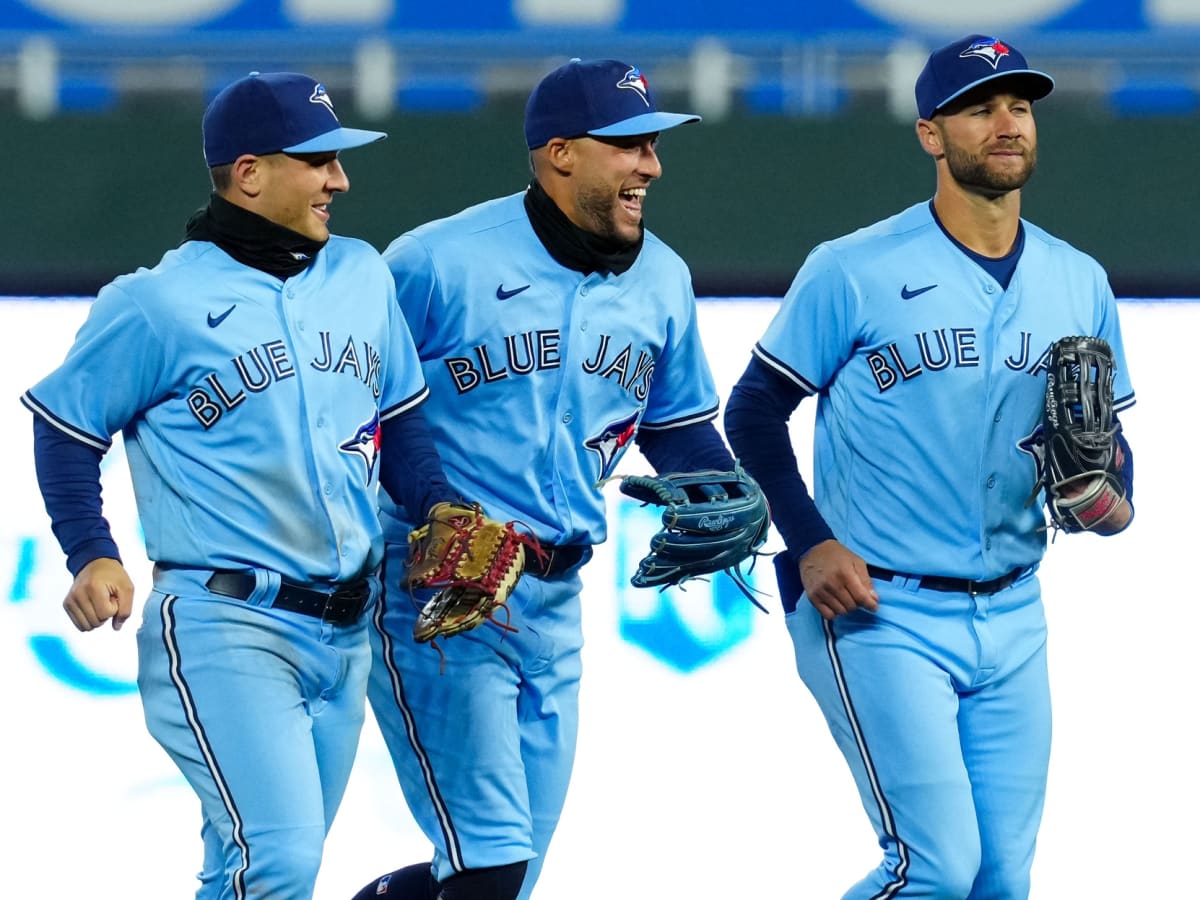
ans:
(365, 443)
(320, 95)
(634, 80)
(989, 49)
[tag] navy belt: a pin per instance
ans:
(555, 559)
(951, 585)
(342, 604)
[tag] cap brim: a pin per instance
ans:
(1037, 85)
(648, 123)
(338, 139)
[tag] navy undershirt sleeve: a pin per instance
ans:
(410, 468)
(756, 423)
(690, 448)
(68, 473)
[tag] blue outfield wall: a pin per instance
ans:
(645, 16)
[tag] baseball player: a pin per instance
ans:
(265, 384)
(910, 586)
(554, 330)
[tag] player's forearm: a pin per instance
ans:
(410, 468)
(691, 448)
(756, 418)
(68, 473)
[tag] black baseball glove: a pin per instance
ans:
(712, 522)
(1082, 474)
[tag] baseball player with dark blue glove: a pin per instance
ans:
(910, 585)
(555, 330)
(265, 384)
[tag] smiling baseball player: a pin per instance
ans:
(910, 586)
(555, 330)
(265, 383)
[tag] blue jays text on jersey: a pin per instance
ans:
(256, 369)
(537, 351)
(307, 369)
(932, 338)
(945, 348)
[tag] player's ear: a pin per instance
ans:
(930, 137)
(247, 174)
(560, 153)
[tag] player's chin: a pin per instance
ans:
(317, 230)
(627, 225)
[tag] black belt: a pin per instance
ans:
(952, 585)
(555, 559)
(342, 604)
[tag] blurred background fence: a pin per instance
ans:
(807, 133)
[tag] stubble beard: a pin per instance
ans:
(597, 208)
(974, 173)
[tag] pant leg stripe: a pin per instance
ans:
(171, 643)
(449, 836)
(892, 888)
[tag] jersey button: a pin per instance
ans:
(328, 489)
(583, 291)
(990, 288)
(996, 418)
(567, 418)
(583, 325)
(991, 482)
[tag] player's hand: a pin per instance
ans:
(1120, 516)
(101, 591)
(836, 581)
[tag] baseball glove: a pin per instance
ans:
(1082, 474)
(711, 522)
(473, 563)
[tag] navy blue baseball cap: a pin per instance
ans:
(974, 60)
(601, 97)
(275, 112)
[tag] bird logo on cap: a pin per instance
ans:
(989, 49)
(320, 95)
(634, 80)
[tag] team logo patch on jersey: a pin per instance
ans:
(611, 443)
(1035, 445)
(365, 443)
(320, 95)
(634, 80)
(988, 49)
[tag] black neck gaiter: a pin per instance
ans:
(572, 246)
(252, 240)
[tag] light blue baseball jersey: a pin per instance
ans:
(540, 375)
(909, 345)
(250, 408)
